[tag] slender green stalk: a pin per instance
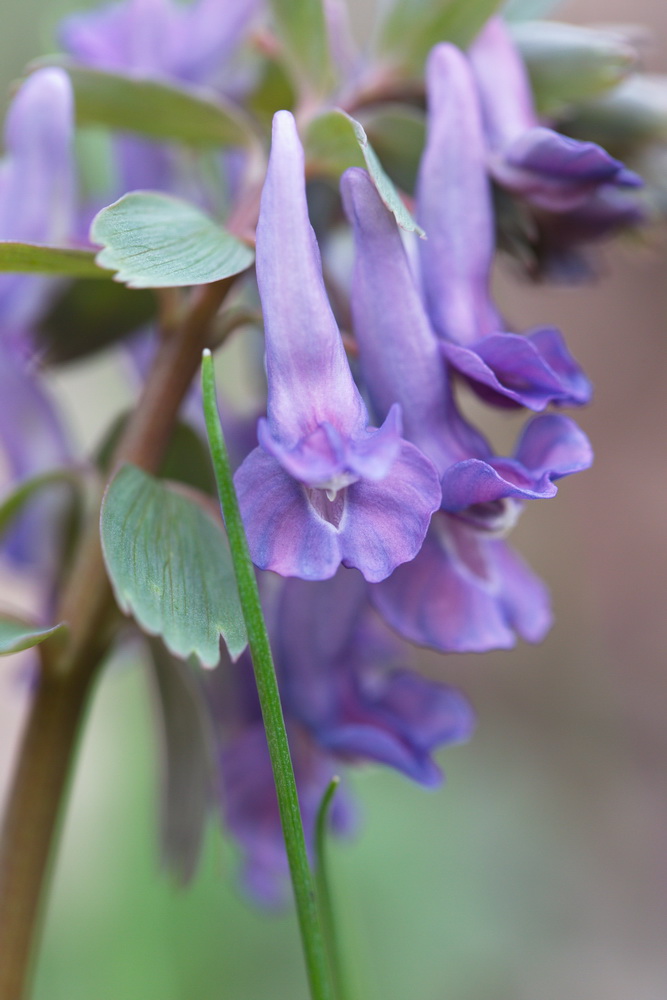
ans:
(324, 898)
(312, 938)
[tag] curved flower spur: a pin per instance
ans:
(466, 590)
(454, 207)
(323, 488)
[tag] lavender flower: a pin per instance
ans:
(548, 169)
(36, 205)
(323, 488)
(577, 191)
(454, 207)
(465, 590)
(346, 701)
(162, 40)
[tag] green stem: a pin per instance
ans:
(324, 897)
(267, 687)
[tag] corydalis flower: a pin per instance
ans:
(36, 206)
(465, 590)
(454, 207)
(159, 38)
(342, 678)
(323, 488)
(549, 170)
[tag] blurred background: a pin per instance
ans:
(539, 872)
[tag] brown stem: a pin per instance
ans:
(37, 795)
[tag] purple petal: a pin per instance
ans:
(399, 352)
(554, 444)
(503, 84)
(464, 593)
(475, 482)
(309, 378)
(557, 173)
(325, 457)
(454, 204)
(373, 526)
(158, 37)
(33, 441)
(532, 370)
(251, 812)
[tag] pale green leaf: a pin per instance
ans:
(169, 564)
(187, 761)
(37, 258)
(335, 141)
(12, 505)
(631, 115)
(17, 634)
(302, 29)
(397, 133)
(184, 113)
(155, 240)
(528, 10)
(413, 27)
(569, 64)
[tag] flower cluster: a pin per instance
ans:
(376, 513)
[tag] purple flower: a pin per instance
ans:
(169, 41)
(323, 488)
(37, 206)
(341, 678)
(455, 208)
(347, 700)
(550, 170)
(465, 590)
(160, 38)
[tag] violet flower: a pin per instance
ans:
(347, 701)
(36, 205)
(454, 207)
(465, 590)
(342, 678)
(323, 488)
(162, 40)
(550, 170)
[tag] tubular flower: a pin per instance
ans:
(454, 207)
(550, 170)
(37, 205)
(465, 590)
(323, 488)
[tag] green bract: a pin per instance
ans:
(157, 241)
(302, 28)
(569, 64)
(183, 113)
(17, 634)
(413, 27)
(35, 258)
(335, 141)
(168, 561)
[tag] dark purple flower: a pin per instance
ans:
(455, 208)
(323, 488)
(342, 678)
(347, 699)
(465, 590)
(550, 170)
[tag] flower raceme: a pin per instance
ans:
(323, 487)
